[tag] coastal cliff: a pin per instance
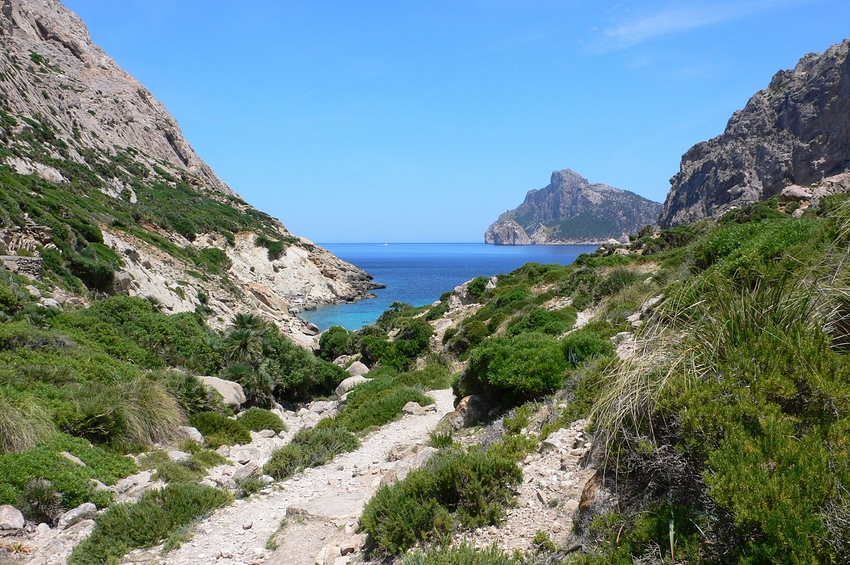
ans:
(123, 191)
(796, 132)
(571, 210)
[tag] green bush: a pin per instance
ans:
(333, 343)
(471, 487)
(513, 368)
(545, 321)
(583, 345)
(309, 448)
(257, 419)
(159, 513)
(219, 430)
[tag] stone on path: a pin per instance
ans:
(339, 507)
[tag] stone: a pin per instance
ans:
(322, 406)
(794, 193)
(231, 392)
(265, 434)
(349, 383)
(178, 456)
(468, 411)
(413, 408)
(85, 511)
(50, 303)
(310, 420)
(73, 458)
(250, 469)
(192, 434)
(341, 507)
(357, 369)
(11, 518)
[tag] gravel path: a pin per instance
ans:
(238, 533)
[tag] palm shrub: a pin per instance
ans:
(40, 502)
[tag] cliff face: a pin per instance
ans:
(572, 210)
(795, 132)
(136, 196)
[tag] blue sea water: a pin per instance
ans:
(418, 273)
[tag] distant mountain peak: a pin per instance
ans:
(572, 210)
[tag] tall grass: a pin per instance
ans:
(24, 421)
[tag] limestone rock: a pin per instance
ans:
(572, 210)
(357, 369)
(85, 511)
(795, 132)
(341, 507)
(468, 411)
(250, 469)
(349, 384)
(178, 456)
(192, 434)
(10, 518)
(230, 391)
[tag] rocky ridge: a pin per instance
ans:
(571, 210)
(796, 132)
(69, 112)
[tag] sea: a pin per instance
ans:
(418, 273)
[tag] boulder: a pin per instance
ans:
(178, 456)
(11, 518)
(357, 369)
(350, 383)
(250, 469)
(794, 193)
(192, 434)
(82, 512)
(468, 411)
(231, 392)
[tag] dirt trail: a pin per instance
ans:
(239, 533)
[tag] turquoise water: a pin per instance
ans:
(418, 273)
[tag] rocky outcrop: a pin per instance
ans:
(571, 210)
(70, 115)
(795, 132)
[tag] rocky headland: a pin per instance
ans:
(571, 210)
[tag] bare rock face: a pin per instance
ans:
(571, 210)
(795, 132)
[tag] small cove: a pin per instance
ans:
(418, 273)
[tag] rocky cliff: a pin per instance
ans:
(795, 132)
(90, 153)
(571, 210)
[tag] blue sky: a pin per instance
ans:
(409, 121)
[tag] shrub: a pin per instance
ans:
(257, 419)
(545, 321)
(40, 502)
(309, 448)
(472, 487)
(583, 345)
(464, 554)
(476, 287)
(159, 512)
(191, 394)
(333, 343)
(218, 429)
(515, 368)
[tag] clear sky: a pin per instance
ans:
(409, 121)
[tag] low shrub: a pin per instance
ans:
(464, 554)
(309, 448)
(151, 520)
(257, 419)
(513, 368)
(472, 488)
(219, 430)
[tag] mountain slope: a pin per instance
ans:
(89, 153)
(795, 132)
(572, 210)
